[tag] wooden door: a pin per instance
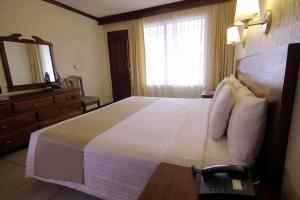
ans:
(118, 47)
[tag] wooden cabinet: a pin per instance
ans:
(5, 110)
(13, 123)
(33, 104)
(58, 111)
(19, 137)
(66, 97)
(23, 114)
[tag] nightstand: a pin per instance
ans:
(207, 94)
(173, 182)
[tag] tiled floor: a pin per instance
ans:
(14, 185)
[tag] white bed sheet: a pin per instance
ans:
(119, 162)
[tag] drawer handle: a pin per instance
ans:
(63, 110)
(69, 98)
(8, 142)
(36, 104)
(3, 127)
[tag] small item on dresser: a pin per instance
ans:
(47, 77)
(59, 82)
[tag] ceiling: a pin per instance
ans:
(102, 8)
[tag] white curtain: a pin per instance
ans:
(177, 53)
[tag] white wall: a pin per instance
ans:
(285, 29)
(76, 40)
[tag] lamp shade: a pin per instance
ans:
(233, 35)
(246, 10)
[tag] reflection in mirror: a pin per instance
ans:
(29, 63)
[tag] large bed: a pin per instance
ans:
(111, 153)
(130, 138)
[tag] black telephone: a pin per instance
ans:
(221, 182)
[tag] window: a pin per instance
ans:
(175, 52)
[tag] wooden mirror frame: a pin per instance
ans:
(16, 38)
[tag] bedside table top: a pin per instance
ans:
(173, 182)
(208, 94)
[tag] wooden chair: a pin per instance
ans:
(76, 82)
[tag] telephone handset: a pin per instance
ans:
(234, 171)
(225, 182)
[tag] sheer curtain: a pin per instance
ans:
(177, 54)
(35, 63)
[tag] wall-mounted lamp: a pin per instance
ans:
(233, 36)
(247, 14)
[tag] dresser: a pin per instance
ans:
(23, 114)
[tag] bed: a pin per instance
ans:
(111, 153)
(121, 155)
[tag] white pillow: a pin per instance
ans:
(220, 112)
(219, 87)
(239, 90)
(235, 83)
(246, 130)
(243, 92)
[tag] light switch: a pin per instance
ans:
(77, 66)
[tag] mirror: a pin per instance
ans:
(28, 64)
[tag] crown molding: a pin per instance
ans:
(71, 9)
(172, 7)
(156, 10)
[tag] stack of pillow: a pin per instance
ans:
(237, 111)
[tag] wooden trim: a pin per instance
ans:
(5, 65)
(71, 9)
(52, 59)
(280, 94)
(172, 7)
(156, 10)
(288, 97)
(16, 38)
(16, 88)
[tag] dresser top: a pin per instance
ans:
(33, 95)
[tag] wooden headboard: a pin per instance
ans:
(273, 75)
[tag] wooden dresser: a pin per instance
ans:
(23, 114)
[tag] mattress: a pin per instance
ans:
(63, 144)
(119, 162)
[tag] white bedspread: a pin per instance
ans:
(119, 162)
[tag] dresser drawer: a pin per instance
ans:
(19, 138)
(57, 111)
(32, 104)
(5, 110)
(16, 122)
(67, 97)
(60, 119)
